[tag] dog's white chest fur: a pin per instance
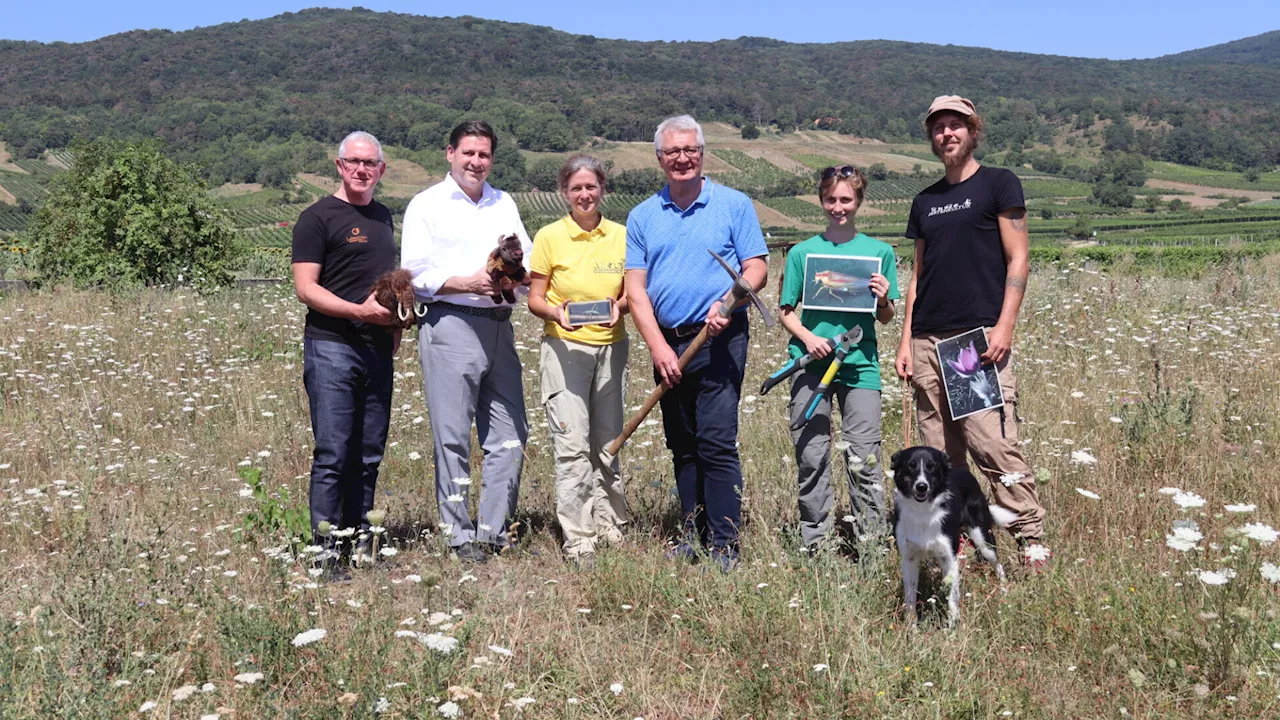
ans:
(919, 530)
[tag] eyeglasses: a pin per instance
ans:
(844, 171)
(674, 153)
(355, 163)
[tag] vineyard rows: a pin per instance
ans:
(11, 220)
(794, 207)
(539, 208)
(23, 187)
(268, 237)
(265, 215)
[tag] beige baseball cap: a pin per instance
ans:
(950, 103)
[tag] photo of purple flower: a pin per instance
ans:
(968, 362)
(971, 386)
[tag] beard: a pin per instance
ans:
(958, 159)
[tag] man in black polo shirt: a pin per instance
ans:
(970, 271)
(341, 244)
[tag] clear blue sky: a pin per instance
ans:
(1117, 29)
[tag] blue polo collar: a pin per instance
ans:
(703, 197)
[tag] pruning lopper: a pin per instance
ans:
(849, 339)
(843, 345)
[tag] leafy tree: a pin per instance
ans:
(878, 171)
(509, 168)
(644, 181)
(1046, 214)
(1252, 175)
(1175, 205)
(750, 132)
(1080, 229)
(544, 173)
(126, 215)
(1151, 204)
(1110, 193)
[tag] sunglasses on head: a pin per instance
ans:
(844, 171)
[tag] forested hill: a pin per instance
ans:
(219, 94)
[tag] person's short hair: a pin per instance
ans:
(359, 136)
(842, 173)
(577, 163)
(474, 128)
(973, 122)
(678, 123)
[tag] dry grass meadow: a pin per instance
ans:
(138, 586)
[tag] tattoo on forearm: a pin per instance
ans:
(1016, 281)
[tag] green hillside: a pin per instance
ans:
(245, 99)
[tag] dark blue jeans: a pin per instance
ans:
(349, 387)
(700, 417)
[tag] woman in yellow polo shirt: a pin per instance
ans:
(576, 259)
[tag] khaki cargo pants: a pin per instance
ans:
(990, 437)
(582, 387)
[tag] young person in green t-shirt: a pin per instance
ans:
(856, 385)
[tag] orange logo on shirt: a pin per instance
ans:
(356, 237)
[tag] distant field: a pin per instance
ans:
(1268, 181)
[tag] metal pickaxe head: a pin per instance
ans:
(741, 290)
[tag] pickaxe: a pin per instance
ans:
(737, 296)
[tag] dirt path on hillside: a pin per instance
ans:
(7, 197)
(1199, 197)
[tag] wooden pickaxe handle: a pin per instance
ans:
(650, 402)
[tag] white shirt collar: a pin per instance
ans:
(488, 195)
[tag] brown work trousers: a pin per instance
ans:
(990, 437)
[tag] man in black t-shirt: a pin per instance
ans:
(341, 244)
(970, 271)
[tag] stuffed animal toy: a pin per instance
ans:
(394, 291)
(506, 260)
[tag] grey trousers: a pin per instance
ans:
(470, 371)
(860, 429)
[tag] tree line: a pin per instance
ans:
(242, 100)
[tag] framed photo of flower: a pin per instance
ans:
(588, 312)
(839, 282)
(971, 386)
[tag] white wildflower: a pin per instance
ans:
(415, 455)
(1089, 494)
(1081, 457)
(616, 688)
(1271, 573)
(1187, 500)
(441, 643)
(248, 678)
(1010, 479)
(184, 692)
(1219, 577)
(520, 703)
(1264, 534)
(1183, 539)
(147, 706)
(500, 650)
(310, 636)
(449, 709)
(821, 667)
(1241, 508)
(1169, 491)
(511, 444)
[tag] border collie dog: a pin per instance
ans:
(933, 503)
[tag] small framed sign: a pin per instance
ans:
(971, 386)
(839, 282)
(588, 312)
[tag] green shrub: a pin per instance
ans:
(125, 215)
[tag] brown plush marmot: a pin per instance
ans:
(394, 291)
(506, 260)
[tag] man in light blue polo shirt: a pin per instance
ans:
(674, 288)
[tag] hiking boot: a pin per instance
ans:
(472, 553)
(683, 551)
(585, 561)
(724, 560)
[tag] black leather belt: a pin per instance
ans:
(500, 313)
(680, 332)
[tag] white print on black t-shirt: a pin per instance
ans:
(951, 207)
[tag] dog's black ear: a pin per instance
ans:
(893, 459)
(945, 460)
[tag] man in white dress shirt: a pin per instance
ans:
(466, 344)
